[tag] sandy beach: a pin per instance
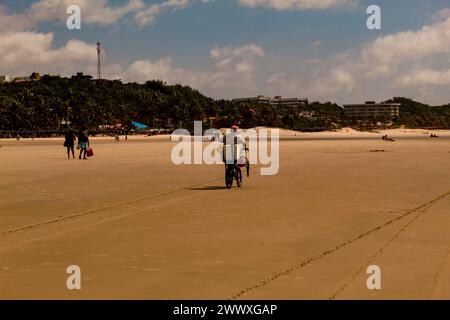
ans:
(140, 227)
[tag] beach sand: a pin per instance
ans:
(140, 227)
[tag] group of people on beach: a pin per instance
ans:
(83, 143)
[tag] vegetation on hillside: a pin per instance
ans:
(53, 103)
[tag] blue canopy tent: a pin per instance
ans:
(139, 126)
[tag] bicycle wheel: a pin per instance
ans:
(229, 177)
(239, 177)
(247, 166)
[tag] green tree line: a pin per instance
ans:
(51, 103)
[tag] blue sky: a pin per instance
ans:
(293, 51)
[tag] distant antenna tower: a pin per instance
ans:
(99, 64)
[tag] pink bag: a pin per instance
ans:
(90, 152)
(242, 162)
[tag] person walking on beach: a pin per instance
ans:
(69, 143)
(83, 141)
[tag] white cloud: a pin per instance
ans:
(248, 52)
(412, 63)
(17, 21)
(391, 52)
(148, 15)
(143, 70)
(443, 14)
(95, 12)
(423, 77)
(319, 84)
(21, 52)
(232, 71)
(297, 4)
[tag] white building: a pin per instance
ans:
(22, 79)
(279, 101)
(276, 101)
(372, 110)
(5, 78)
(258, 99)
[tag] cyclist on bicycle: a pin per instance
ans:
(229, 138)
(233, 138)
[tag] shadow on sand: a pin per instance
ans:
(208, 188)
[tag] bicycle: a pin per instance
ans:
(233, 172)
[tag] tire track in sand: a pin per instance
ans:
(377, 252)
(104, 208)
(338, 247)
(380, 250)
(438, 276)
(90, 224)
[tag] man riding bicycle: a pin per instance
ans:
(234, 139)
(234, 156)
